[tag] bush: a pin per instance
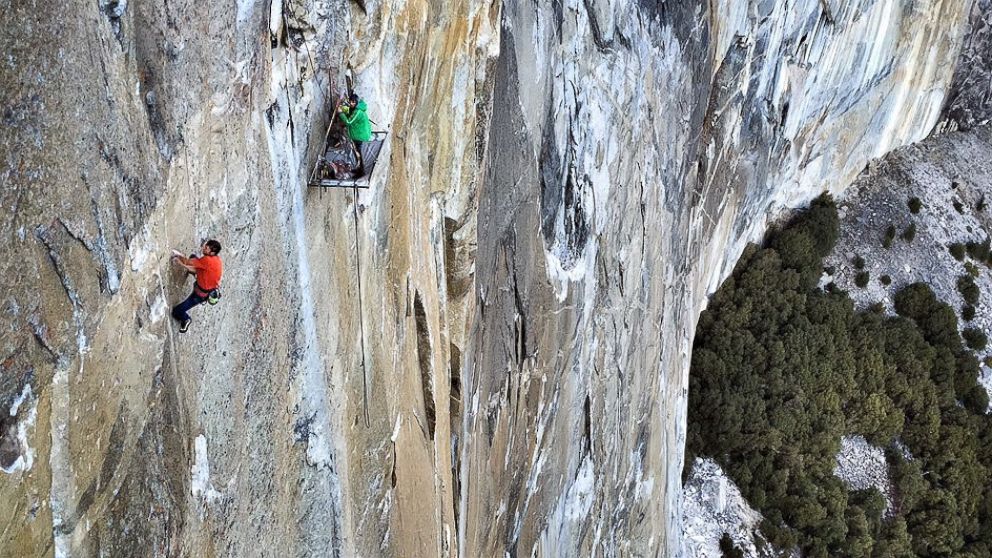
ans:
(968, 312)
(976, 399)
(909, 233)
(859, 262)
(975, 338)
(885, 280)
(915, 301)
(861, 279)
(957, 250)
(972, 269)
(914, 205)
(890, 235)
(894, 541)
(804, 243)
(728, 548)
(969, 290)
(979, 251)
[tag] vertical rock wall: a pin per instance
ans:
(634, 149)
(480, 354)
(297, 416)
(969, 99)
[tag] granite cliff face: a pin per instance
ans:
(969, 100)
(484, 353)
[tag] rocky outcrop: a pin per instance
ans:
(713, 505)
(950, 176)
(485, 352)
(862, 466)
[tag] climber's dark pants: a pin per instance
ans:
(361, 160)
(180, 311)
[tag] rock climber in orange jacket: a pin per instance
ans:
(208, 269)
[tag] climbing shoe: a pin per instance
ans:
(213, 297)
(183, 327)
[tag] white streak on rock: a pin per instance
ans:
(244, 9)
(25, 460)
(158, 309)
(25, 393)
(396, 429)
(580, 494)
(200, 485)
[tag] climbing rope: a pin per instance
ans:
(361, 312)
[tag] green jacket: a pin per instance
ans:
(357, 120)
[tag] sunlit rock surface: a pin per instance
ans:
(480, 355)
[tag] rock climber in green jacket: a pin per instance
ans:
(353, 114)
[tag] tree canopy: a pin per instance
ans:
(782, 370)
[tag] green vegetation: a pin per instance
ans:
(968, 289)
(957, 250)
(972, 269)
(728, 548)
(915, 205)
(980, 251)
(890, 235)
(781, 371)
(885, 280)
(975, 338)
(859, 262)
(909, 233)
(968, 312)
(861, 279)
